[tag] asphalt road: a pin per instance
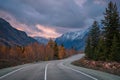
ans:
(51, 70)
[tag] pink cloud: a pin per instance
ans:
(47, 31)
(44, 31)
(13, 21)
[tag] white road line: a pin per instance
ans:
(79, 72)
(11, 73)
(45, 77)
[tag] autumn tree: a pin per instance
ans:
(62, 52)
(4, 52)
(14, 55)
(53, 48)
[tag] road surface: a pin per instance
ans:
(57, 70)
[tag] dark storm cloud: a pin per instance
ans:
(63, 15)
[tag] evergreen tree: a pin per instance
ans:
(88, 48)
(111, 25)
(50, 43)
(99, 51)
(53, 45)
(92, 40)
(115, 51)
(94, 34)
(55, 48)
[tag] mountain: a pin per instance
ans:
(74, 40)
(41, 40)
(12, 36)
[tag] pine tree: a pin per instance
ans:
(88, 48)
(94, 34)
(99, 51)
(53, 45)
(50, 43)
(55, 49)
(111, 25)
(92, 40)
(115, 51)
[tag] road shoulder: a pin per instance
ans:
(5, 71)
(95, 73)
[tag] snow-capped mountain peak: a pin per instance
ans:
(41, 40)
(73, 39)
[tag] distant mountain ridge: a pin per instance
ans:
(12, 36)
(42, 40)
(74, 40)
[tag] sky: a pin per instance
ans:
(52, 18)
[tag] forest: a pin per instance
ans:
(104, 43)
(15, 55)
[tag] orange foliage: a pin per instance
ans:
(32, 52)
(62, 52)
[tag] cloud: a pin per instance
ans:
(100, 2)
(47, 32)
(80, 2)
(14, 22)
(61, 15)
(43, 31)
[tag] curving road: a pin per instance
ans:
(56, 70)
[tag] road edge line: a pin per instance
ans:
(79, 71)
(11, 73)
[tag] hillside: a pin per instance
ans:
(12, 36)
(74, 40)
(41, 40)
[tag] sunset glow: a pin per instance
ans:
(47, 32)
(59, 39)
(51, 18)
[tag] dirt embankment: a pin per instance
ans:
(110, 67)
